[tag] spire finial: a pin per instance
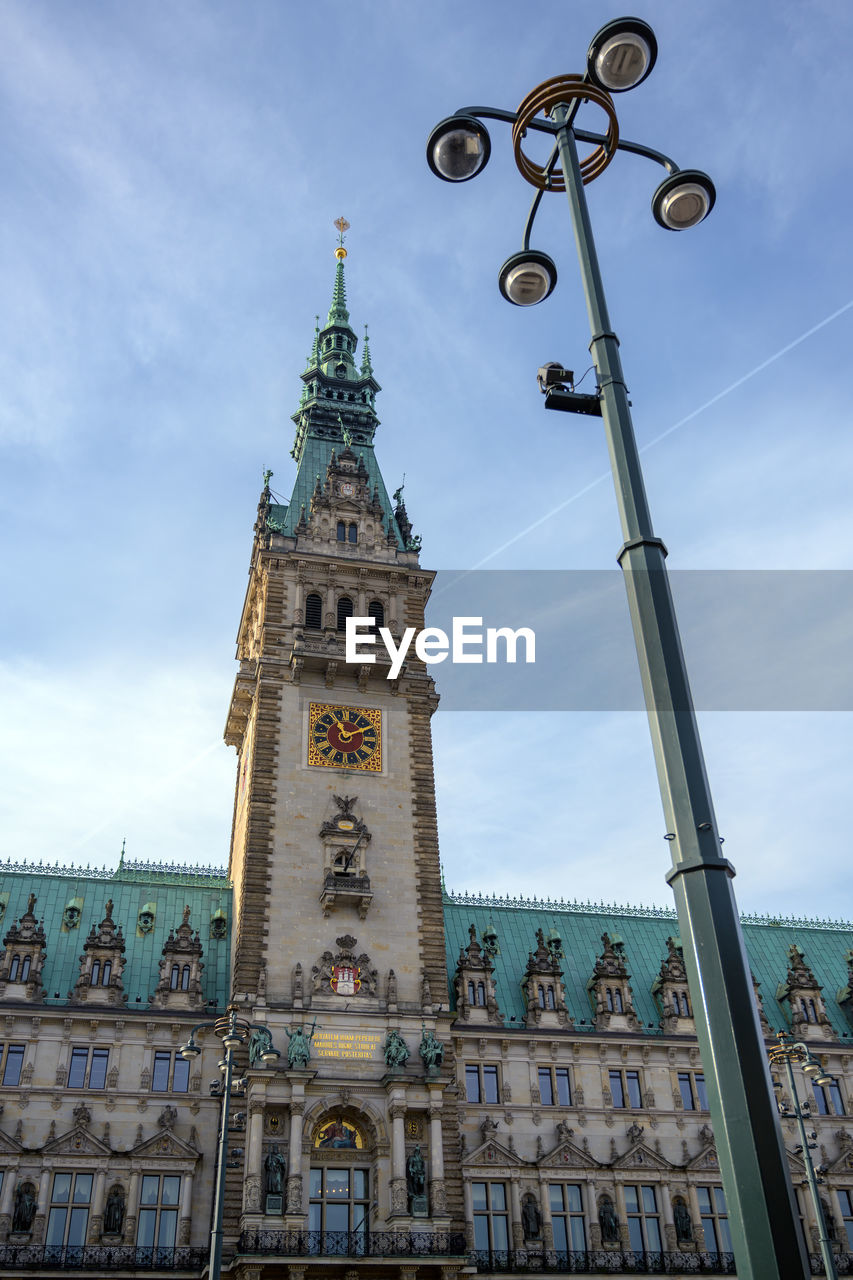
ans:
(366, 366)
(342, 225)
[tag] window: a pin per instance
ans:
(828, 1099)
(68, 1216)
(715, 1219)
(554, 1090)
(691, 1086)
(477, 994)
(314, 612)
(13, 1063)
(101, 974)
(625, 1089)
(352, 533)
(809, 1011)
(19, 970)
(545, 996)
(339, 1201)
(481, 1083)
(164, 1071)
(614, 1000)
(641, 1208)
(342, 531)
(845, 1200)
(344, 612)
(81, 1076)
(491, 1230)
(567, 1217)
(376, 609)
(157, 1232)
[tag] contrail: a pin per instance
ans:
(650, 444)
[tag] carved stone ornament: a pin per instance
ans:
(343, 973)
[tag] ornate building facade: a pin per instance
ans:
(427, 1085)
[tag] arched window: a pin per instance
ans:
(185, 978)
(342, 531)
(313, 612)
(617, 1001)
(609, 995)
(481, 994)
(25, 968)
(540, 991)
(685, 1005)
(174, 977)
(549, 998)
(352, 533)
(344, 612)
(105, 977)
(15, 966)
(96, 973)
(376, 609)
(472, 999)
(812, 1012)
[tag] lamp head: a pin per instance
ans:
(527, 278)
(271, 1055)
(621, 54)
(683, 200)
(458, 148)
(189, 1050)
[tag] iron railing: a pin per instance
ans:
(96, 1257)
(353, 1244)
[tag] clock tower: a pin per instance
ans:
(338, 930)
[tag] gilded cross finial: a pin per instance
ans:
(342, 225)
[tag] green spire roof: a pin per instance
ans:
(338, 313)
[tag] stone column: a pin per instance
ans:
(622, 1215)
(469, 1212)
(517, 1236)
(8, 1194)
(698, 1229)
(438, 1194)
(96, 1217)
(41, 1211)
(186, 1215)
(132, 1209)
(399, 1195)
(591, 1205)
(252, 1189)
(668, 1236)
(294, 1178)
(547, 1221)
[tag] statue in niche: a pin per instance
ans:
(416, 1173)
(25, 1207)
(608, 1221)
(432, 1050)
(114, 1212)
(274, 1171)
(683, 1221)
(531, 1219)
(396, 1050)
(299, 1047)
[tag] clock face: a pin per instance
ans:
(344, 737)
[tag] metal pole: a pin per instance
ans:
(825, 1246)
(760, 1198)
(221, 1154)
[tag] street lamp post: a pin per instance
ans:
(233, 1032)
(786, 1053)
(756, 1179)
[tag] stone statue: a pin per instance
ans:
(299, 1048)
(114, 1212)
(432, 1050)
(260, 1042)
(608, 1221)
(416, 1173)
(396, 1050)
(274, 1171)
(71, 916)
(683, 1222)
(531, 1219)
(25, 1207)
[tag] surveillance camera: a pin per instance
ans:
(554, 374)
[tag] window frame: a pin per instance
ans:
(175, 1061)
(89, 1056)
(714, 1215)
(555, 1077)
(642, 1216)
(693, 1090)
(162, 1211)
(489, 1216)
(73, 1211)
(318, 1204)
(485, 1074)
(18, 1053)
(571, 1218)
(826, 1094)
(625, 1077)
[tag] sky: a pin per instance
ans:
(171, 176)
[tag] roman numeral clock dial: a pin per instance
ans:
(344, 737)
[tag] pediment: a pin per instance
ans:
(706, 1159)
(641, 1157)
(8, 1146)
(165, 1145)
(492, 1152)
(567, 1155)
(844, 1163)
(76, 1142)
(796, 1161)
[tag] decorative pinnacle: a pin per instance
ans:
(342, 225)
(366, 366)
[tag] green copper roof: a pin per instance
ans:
(644, 933)
(132, 887)
(338, 314)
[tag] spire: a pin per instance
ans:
(366, 366)
(338, 313)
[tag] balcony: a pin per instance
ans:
(604, 1262)
(104, 1258)
(352, 1244)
